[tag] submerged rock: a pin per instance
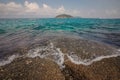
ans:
(41, 69)
(106, 69)
(31, 69)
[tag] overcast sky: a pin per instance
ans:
(51, 8)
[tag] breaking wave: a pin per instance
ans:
(9, 60)
(55, 54)
(76, 60)
(48, 52)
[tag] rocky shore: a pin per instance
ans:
(46, 68)
(106, 69)
(41, 69)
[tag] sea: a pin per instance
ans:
(21, 36)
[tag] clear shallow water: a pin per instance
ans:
(20, 33)
(105, 30)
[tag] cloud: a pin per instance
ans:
(33, 10)
(28, 9)
(45, 6)
(61, 9)
(31, 7)
(10, 7)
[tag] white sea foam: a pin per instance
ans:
(119, 50)
(76, 60)
(51, 52)
(9, 60)
(55, 54)
(48, 52)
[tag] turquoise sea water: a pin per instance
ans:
(17, 32)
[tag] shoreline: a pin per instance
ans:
(63, 58)
(35, 68)
(79, 51)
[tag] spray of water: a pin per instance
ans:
(55, 54)
(48, 52)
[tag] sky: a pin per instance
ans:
(51, 8)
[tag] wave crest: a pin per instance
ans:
(55, 54)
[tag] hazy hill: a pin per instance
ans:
(64, 16)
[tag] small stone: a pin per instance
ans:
(28, 62)
(2, 70)
(42, 64)
(21, 74)
(9, 79)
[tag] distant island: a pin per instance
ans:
(63, 16)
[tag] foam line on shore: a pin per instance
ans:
(9, 60)
(48, 52)
(74, 59)
(56, 55)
